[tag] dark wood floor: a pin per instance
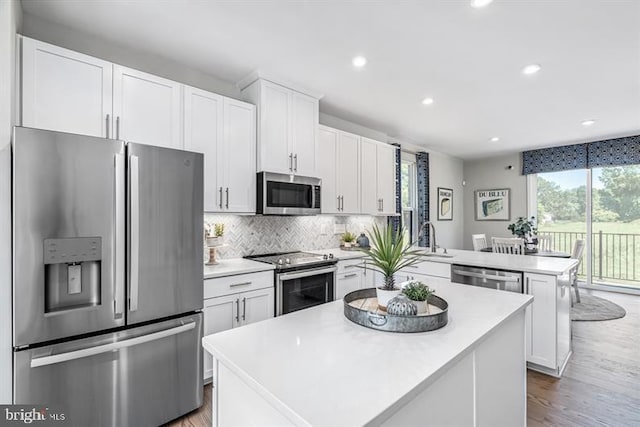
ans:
(600, 386)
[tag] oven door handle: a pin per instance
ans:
(306, 273)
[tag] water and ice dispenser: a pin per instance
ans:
(72, 273)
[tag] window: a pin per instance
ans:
(409, 195)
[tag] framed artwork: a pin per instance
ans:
(445, 204)
(493, 205)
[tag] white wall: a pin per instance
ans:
(444, 171)
(485, 174)
(128, 56)
(10, 20)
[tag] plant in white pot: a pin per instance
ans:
(348, 239)
(419, 293)
(389, 253)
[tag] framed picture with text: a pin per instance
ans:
(493, 205)
(445, 204)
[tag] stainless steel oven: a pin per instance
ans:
(282, 194)
(300, 289)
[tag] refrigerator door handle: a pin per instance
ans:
(134, 272)
(92, 351)
(119, 258)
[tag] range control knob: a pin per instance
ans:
(287, 261)
(325, 256)
(280, 262)
(330, 256)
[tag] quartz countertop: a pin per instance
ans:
(525, 263)
(319, 368)
(339, 253)
(233, 266)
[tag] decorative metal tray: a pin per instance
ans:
(376, 318)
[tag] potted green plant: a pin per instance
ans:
(389, 253)
(218, 235)
(525, 229)
(419, 293)
(348, 239)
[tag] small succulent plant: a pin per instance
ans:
(418, 291)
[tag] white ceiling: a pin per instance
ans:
(469, 60)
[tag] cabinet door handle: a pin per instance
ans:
(295, 164)
(118, 127)
(342, 203)
(108, 120)
(350, 275)
(338, 202)
(382, 205)
(240, 284)
(227, 204)
(244, 309)
(526, 287)
(220, 198)
(290, 162)
(238, 310)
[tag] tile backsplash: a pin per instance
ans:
(247, 235)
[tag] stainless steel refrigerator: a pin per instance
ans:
(108, 278)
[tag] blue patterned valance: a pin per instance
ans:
(394, 221)
(422, 166)
(615, 152)
(610, 152)
(554, 159)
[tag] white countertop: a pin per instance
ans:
(339, 253)
(525, 263)
(233, 266)
(320, 369)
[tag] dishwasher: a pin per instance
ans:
(502, 280)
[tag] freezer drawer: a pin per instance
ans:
(143, 376)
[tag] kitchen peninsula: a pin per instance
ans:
(315, 367)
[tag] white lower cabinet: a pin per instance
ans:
(426, 269)
(349, 277)
(255, 303)
(548, 341)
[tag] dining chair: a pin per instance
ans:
(545, 242)
(578, 250)
(479, 241)
(501, 245)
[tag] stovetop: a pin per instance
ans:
(294, 260)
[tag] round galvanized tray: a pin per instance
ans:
(387, 322)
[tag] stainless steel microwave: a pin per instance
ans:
(283, 194)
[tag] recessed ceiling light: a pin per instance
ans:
(494, 139)
(588, 122)
(480, 3)
(359, 61)
(531, 69)
(427, 101)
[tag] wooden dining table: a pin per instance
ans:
(535, 252)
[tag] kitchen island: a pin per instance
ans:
(315, 367)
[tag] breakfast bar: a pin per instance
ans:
(315, 367)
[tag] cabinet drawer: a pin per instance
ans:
(350, 265)
(220, 286)
(430, 268)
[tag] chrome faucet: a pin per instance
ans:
(432, 234)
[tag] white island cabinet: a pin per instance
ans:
(314, 367)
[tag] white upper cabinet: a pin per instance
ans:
(64, 90)
(304, 132)
(338, 166)
(224, 130)
(287, 128)
(386, 161)
(327, 154)
(238, 162)
(203, 133)
(348, 172)
(147, 108)
(368, 176)
(377, 163)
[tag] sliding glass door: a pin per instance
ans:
(600, 206)
(615, 213)
(561, 210)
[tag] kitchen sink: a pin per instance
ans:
(436, 255)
